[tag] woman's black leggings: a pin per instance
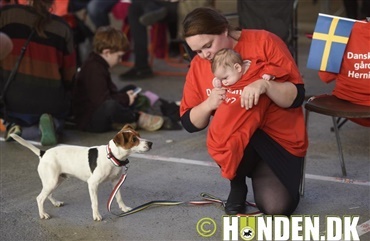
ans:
(271, 196)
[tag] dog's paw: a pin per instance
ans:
(126, 208)
(97, 217)
(44, 216)
(58, 204)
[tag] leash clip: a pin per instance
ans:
(125, 169)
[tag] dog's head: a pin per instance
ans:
(129, 139)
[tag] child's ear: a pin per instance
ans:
(105, 51)
(238, 67)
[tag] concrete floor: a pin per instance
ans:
(179, 168)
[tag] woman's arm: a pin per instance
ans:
(197, 118)
(282, 94)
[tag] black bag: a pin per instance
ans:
(11, 77)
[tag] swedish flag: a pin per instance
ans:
(329, 41)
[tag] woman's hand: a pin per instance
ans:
(131, 97)
(200, 114)
(251, 93)
(216, 97)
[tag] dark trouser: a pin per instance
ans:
(352, 9)
(275, 174)
(98, 10)
(139, 32)
(108, 113)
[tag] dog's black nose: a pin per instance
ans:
(150, 144)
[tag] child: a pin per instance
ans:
(98, 105)
(229, 67)
(232, 126)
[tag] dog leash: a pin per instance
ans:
(206, 199)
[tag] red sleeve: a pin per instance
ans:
(198, 84)
(281, 74)
(280, 57)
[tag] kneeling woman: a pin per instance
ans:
(273, 162)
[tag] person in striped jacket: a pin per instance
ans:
(39, 92)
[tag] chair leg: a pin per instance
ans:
(340, 123)
(340, 151)
(303, 178)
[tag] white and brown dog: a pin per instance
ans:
(93, 165)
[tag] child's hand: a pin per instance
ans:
(216, 83)
(216, 97)
(267, 77)
(131, 97)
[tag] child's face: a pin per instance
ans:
(113, 58)
(228, 75)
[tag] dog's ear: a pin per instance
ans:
(120, 139)
(126, 139)
(127, 127)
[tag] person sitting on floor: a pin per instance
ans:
(38, 93)
(98, 105)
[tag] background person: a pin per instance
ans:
(97, 10)
(98, 105)
(38, 94)
(141, 14)
(275, 171)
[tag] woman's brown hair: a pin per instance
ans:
(205, 21)
(42, 8)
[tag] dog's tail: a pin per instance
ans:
(25, 143)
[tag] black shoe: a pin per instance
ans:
(170, 125)
(170, 109)
(12, 129)
(235, 208)
(235, 203)
(135, 73)
(153, 17)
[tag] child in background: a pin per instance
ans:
(98, 105)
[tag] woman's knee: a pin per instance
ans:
(277, 205)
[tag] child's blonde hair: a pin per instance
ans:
(226, 58)
(110, 38)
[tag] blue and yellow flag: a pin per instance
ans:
(329, 41)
